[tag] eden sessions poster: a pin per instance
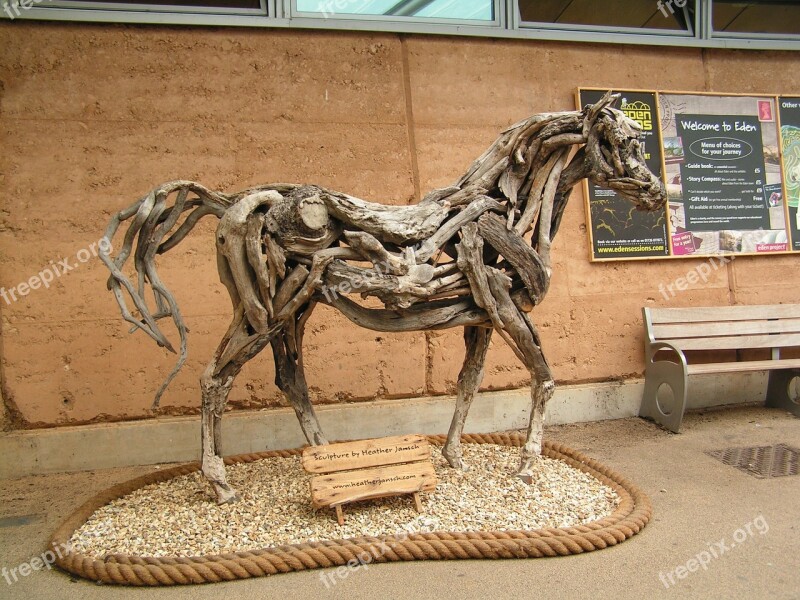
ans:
(731, 166)
(618, 230)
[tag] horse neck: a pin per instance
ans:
(501, 174)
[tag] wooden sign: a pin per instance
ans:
(353, 471)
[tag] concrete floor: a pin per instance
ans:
(700, 505)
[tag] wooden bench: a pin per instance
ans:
(671, 332)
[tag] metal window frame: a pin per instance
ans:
(495, 22)
(611, 29)
(133, 6)
(507, 25)
(734, 35)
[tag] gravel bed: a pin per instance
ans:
(178, 517)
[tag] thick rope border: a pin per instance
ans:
(630, 517)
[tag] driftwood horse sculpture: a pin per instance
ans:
(474, 255)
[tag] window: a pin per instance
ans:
(467, 10)
(168, 5)
(760, 17)
(753, 24)
(664, 14)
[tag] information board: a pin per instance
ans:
(364, 469)
(724, 173)
(731, 167)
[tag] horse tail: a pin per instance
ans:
(153, 228)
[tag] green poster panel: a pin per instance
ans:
(789, 111)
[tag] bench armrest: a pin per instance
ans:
(652, 348)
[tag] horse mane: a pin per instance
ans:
(530, 160)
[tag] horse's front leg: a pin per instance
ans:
(524, 339)
(477, 341)
(542, 388)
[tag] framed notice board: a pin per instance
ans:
(731, 166)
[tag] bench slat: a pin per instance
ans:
(736, 342)
(689, 330)
(723, 313)
(754, 365)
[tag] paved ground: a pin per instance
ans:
(700, 505)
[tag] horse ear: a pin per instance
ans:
(593, 110)
(608, 99)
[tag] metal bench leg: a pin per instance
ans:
(673, 375)
(778, 393)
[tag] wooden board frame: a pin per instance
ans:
(658, 93)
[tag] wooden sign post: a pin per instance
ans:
(352, 471)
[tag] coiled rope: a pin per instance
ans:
(630, 517)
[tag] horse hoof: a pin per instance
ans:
(526, 477)
(460, 465)
(526, 470)
(453, 460)
(226, 496)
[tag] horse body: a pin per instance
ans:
(473, 255)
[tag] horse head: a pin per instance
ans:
(614, 155)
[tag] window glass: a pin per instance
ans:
(476, 10)
(650, 14)
(183, 3)
(775, 16)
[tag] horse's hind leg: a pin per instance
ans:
(469, 380)
(215, 395)
(236, 348)
(287, 349)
